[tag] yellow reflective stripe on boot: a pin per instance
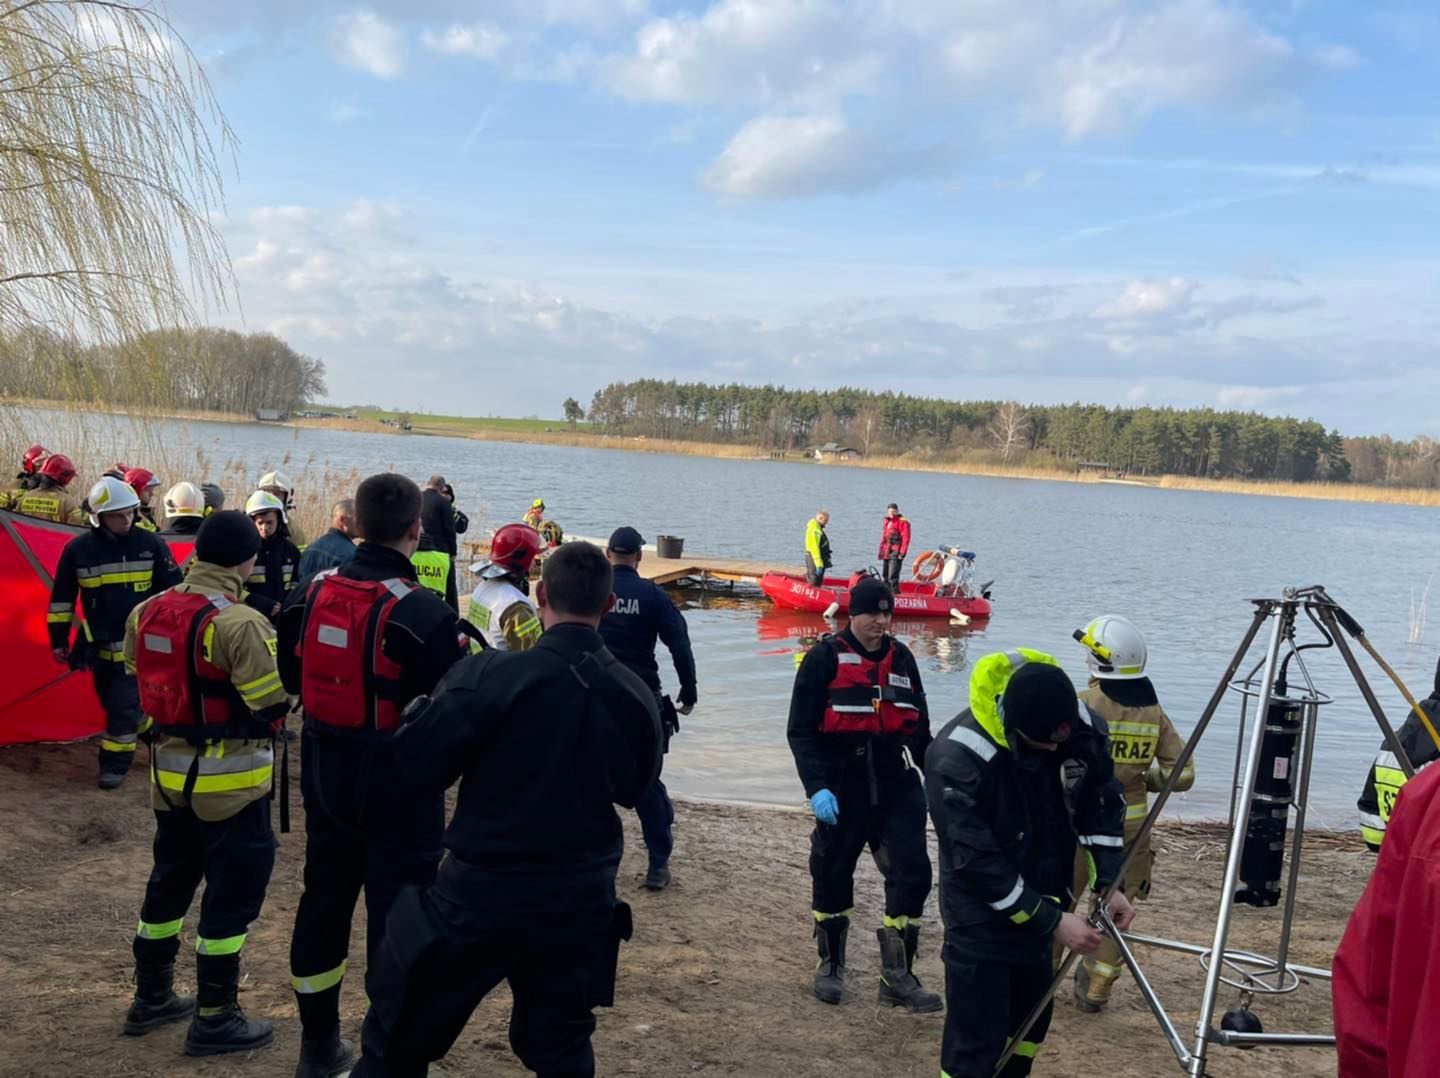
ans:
(1371, 836)
(118, 743)
(228, 945)
(901, 923)
(162, 931)
(1027, 1049)
(319, 982)
(826, 916)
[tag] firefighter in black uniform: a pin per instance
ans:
(364, 827)
(112, 568)
(1383, 783)
(642, 614)
(857, 706)
(279, 558)
(1013, 783)
(205, 663)
(527, 893)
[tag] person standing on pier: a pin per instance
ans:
(642, 614)
(817, 549)
(856, 708)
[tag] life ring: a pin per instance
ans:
(928, 566)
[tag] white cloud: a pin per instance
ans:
(776, 156)
(481, 40)
(364, 40)
(1147, 299)
(1253, 396)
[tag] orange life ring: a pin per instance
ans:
(928, 566)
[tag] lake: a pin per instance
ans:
(1181, 564)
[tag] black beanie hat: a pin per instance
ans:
(1038, 700)
(227, 538)
(871, 596)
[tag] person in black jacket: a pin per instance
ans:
(111, 569)
(642, 614)
(439, 528)
(1013, 782)
(1383, 783)
(279, 559)
(365, 827)
(857, 706)
(527, 893)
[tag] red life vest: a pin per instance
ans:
(181, 689)
(867, 697)
(346, 680)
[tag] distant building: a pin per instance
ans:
(269, 415)
(833, 451)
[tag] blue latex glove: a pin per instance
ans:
(825, 807)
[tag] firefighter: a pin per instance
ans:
(1008, 828)
(279, 558)
(283, 487)
(894, 544)
(214, 497)
(501, 607)
(535, 514)
(857, 706)
(145, 483)
(817, 549)
(111, 568)
(48, 498)
(1382, 784)
(205, 663)
(184, 509)
(527, 890)
(30, 466)
(642, 614)
(365, 827)
(1144, 749)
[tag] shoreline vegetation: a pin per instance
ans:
(559, 433)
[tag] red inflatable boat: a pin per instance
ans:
(916, 600)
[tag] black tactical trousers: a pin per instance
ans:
(894, 829)
(985, 1002)
(119, 697)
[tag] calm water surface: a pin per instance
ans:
(1181, 564)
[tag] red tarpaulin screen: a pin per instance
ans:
(41, 700)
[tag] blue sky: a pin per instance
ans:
(486, 207)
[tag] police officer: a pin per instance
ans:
(436, 570)
(365, 828)
(111, 568)
(275, 568)
(205, 663)
(1382, 784)
(1144, 748)
(527, 892)
(857, 707)
(1008, 827)
(47, 497)
(641, 614)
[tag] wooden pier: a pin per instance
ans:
(699, 569)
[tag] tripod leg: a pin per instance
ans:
(1392, 742)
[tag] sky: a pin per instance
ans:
(482, 208)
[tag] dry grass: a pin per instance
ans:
(1342, 492)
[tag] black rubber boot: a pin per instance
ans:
(830, 970)
(220, 1026)
(899, 986)
(657, 878)
(324, 1059)
(155, 1001)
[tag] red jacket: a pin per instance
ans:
(899, 527)
(1386, 987)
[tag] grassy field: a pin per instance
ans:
(425, 423)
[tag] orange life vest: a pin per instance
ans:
(868, 697)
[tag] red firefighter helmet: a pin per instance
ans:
(142, 479)
(59, 467)
(33, 458)
(513, 550)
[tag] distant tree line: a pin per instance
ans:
(1142, 441)
(216, 370)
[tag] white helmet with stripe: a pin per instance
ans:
(1114, 648)
(110, 495)
(184, 500)
(276, 481)
(262, 501)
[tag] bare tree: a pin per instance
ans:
(865, 426)
(108, 171)
(1009, 429)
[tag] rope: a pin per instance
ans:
(1415, 707)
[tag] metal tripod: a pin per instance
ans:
(1251, 974)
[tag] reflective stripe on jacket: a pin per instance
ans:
(1143, 747)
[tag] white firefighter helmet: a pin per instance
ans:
(278, 480)
(1114, 648)
(184, 500)
(262, 501)
(110, 495)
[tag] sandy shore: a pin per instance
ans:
(715, 982)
